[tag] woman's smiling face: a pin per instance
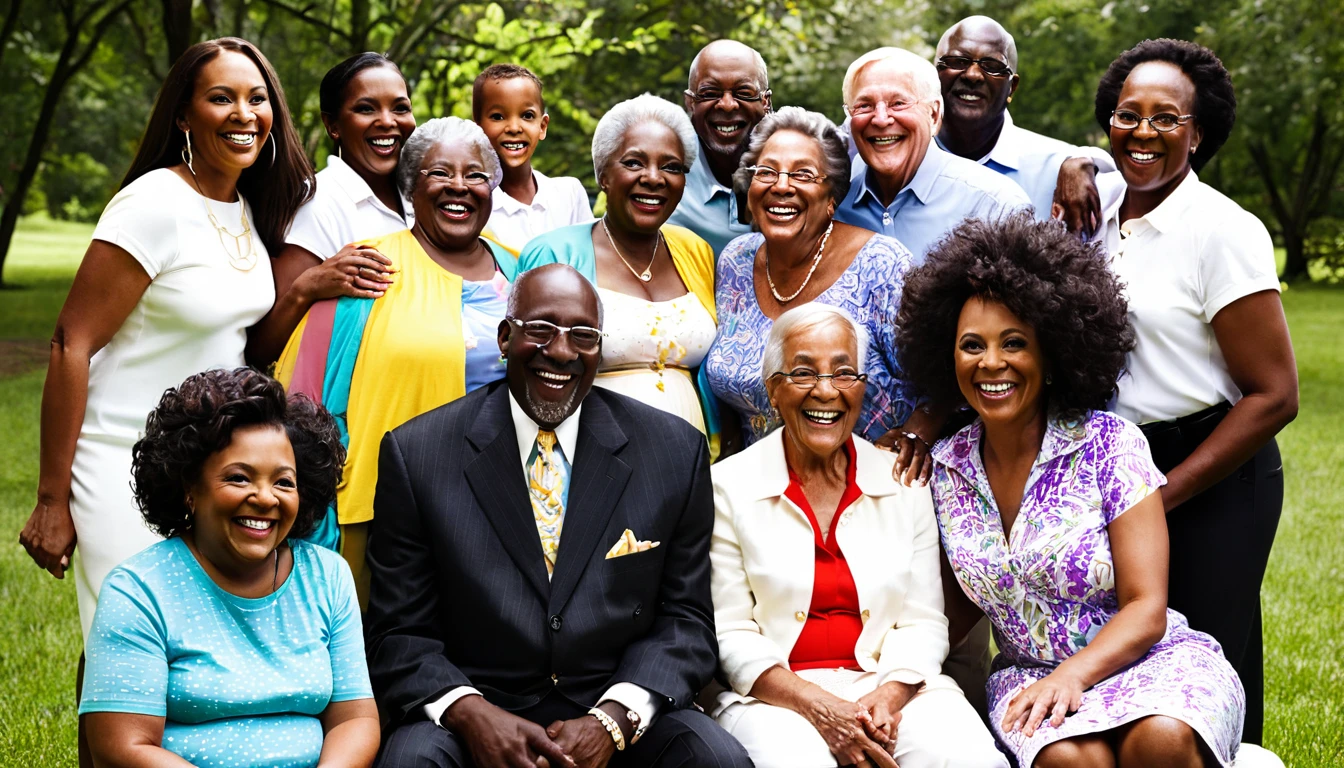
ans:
(787, 209)
(374, 122)
(229, 115)
(645, 178)
(999, 362)
(1152, 160)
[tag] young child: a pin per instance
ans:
(506, 102)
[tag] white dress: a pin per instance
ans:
(193, 316)
(650, 349)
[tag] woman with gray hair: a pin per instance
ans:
(656, 277)
(428, 340)
(825, 575)
(796, 171)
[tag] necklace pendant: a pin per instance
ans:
(646, 276)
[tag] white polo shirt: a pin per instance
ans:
(1182, 264)
(343, 210)
(559, 202)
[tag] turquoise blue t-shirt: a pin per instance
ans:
(241, 681)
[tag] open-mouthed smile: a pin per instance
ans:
(553, 380)
(384, 146)
(457, 211)
(255, 527)
(241, 139)
(996, 390)
(822, 418)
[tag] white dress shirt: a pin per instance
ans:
(628, 695)
(343, 210)
(1181, 264)
(559, 202)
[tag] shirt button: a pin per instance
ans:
(800, 615)
(556, 622)
(639, 608)
(864, 616)
(555, 679)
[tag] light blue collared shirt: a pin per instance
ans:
(708, 208)
(945, 190)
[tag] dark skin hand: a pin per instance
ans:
(585, 738)
(1077, 201)
(913, 464)
(499, 739)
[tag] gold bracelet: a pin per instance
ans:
(611, 726)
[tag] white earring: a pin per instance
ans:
(186, 151)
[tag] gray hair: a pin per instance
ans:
(763, 79)
(611, 129)
(804, 317)
(443, 130)
(511, 306)
(812, 124)
(923, 71)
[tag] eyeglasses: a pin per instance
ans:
(710, 95)
(804, 378)
(1164, 122)
(866, 108)
(541, 333)
(441, 177)
(764, 174)
(991, 67)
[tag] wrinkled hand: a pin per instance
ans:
(1053, 696)
(844, 726)
(913, 464)
(499, 739)
(585, 739)
(884, 719)
(49, 537)
(355, 271)
(1077, 201)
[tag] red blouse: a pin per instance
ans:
(833, 621)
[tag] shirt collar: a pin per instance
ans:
(525, 429)
(503, 201)
(701, 185)
(1007, 151)
(358, 190)
(935, 159)
(1170, 213)
(961, 452)
(770, 472)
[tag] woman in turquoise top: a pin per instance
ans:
(231, 644)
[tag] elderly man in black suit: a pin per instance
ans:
(540, 565)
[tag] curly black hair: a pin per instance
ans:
(1045, 276)
(198, 418)
(1215, 98)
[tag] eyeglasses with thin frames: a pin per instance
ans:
(867, 108)
(804, 378)
(1162, 122)
(442, 176)
(764, 174)
(542, 333)
(710, 95)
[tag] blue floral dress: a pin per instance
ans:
(1049, 587)
(870, 290)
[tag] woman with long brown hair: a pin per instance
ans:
(176, 274)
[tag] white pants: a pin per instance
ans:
(938, 728)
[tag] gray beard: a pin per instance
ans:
(551, 413)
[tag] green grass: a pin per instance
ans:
(1303, 594)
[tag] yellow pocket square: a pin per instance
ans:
(628, 545)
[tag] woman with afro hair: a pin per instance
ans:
(232, 642)
(1211, 378)
(1050, 508)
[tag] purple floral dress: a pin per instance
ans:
(870, 290)
(1050, 587)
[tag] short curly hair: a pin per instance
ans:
(1215, 98)
(1045, 276)
(198, 418)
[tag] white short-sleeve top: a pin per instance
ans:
(343, 210)
(193, 316)
(559, 202)
(1181, 264)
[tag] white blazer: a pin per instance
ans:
(763, 561)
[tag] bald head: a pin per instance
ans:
(982, 31)
(728, 54)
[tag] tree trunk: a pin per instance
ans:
(11, 22)
(1295, 265)
(177, 28)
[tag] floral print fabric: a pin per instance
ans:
(1049, 586)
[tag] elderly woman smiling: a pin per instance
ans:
(658, 278)
(434, 327)
(796, 171)
(825, 577)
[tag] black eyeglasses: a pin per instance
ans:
(541, 333)
(709, 95)
(805, 378)
(991, 67)
(1164, 122)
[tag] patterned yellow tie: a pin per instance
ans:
(548, 487)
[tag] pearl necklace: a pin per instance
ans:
(815, 261)
(646, 275)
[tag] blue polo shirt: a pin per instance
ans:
(708, 208)
(945, 190)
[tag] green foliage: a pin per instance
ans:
(76, 187)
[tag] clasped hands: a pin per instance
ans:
(860, 733)
(500, 739)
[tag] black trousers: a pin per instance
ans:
(685, 738)
(1220, 543)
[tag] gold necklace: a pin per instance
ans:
(646, 275)
(806, 280)
(243, 256)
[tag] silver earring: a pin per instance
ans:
(271, 140)
(186, 151)
(338, 151)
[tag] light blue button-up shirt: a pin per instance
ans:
(945, 190)
(708, 208)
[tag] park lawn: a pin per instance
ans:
(1303, 594)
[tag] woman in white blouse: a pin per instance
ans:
(175, 276)
(1212, 379)
(366, 110)
(826, 583)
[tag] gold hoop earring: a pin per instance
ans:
(186, 151)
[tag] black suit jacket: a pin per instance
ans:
(459, 592)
